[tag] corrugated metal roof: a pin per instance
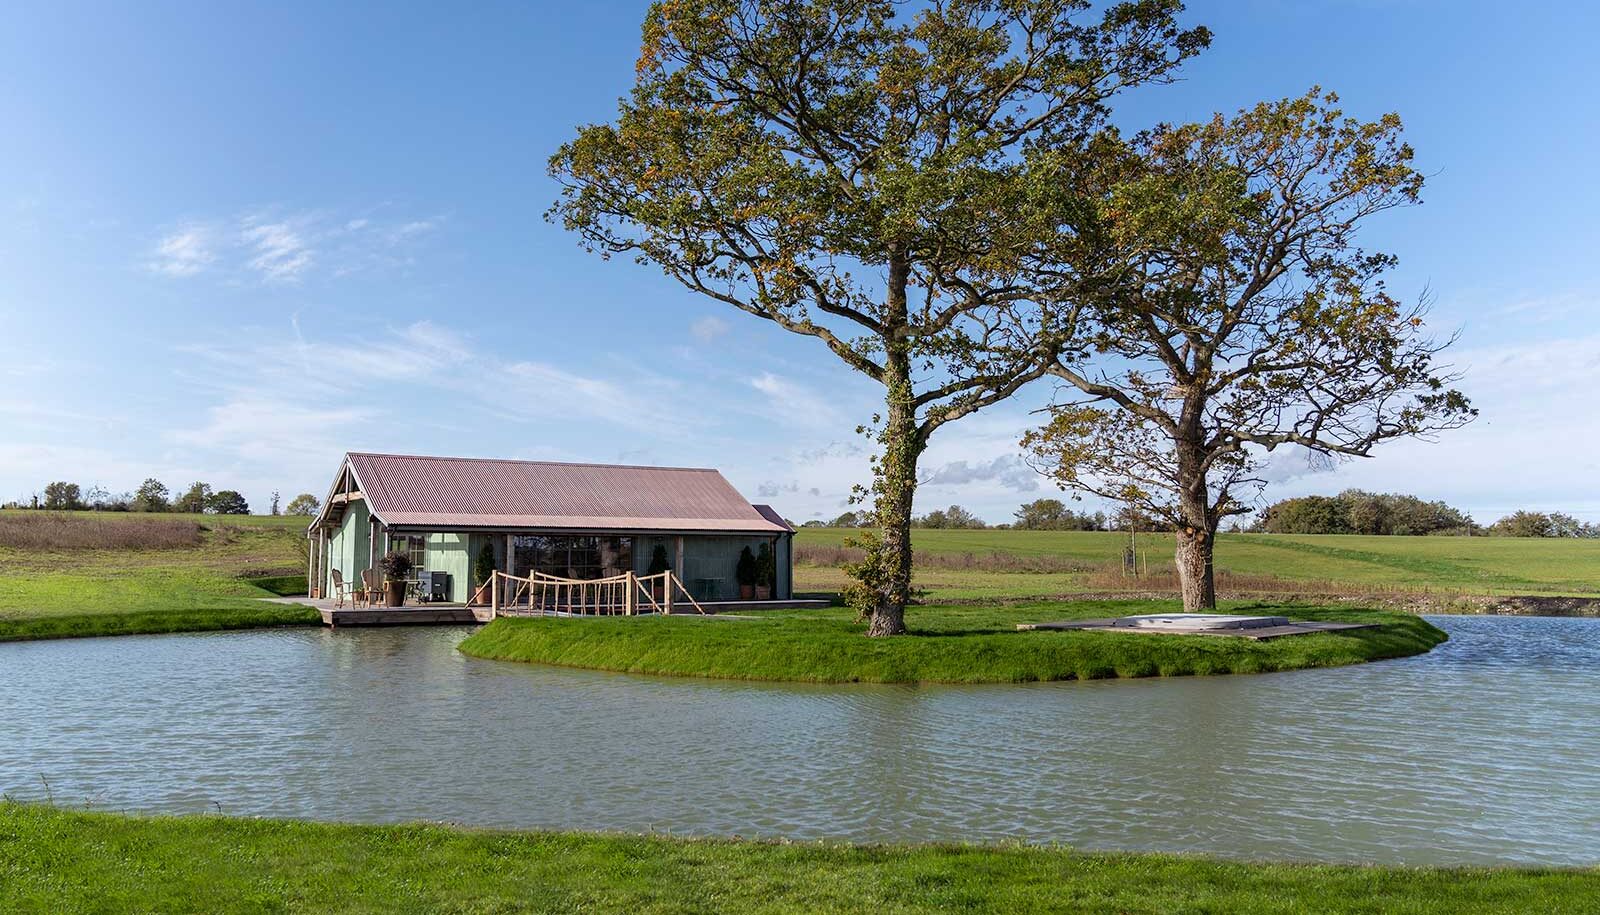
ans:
(411, 490)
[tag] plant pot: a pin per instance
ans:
(482, 597)
(763, 592)
(394, 593)
(747, 592)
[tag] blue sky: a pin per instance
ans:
(240, 240)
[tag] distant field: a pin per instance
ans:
(1497, 565)
(76, 588)
(85, 573)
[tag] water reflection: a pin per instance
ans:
(1485, 750)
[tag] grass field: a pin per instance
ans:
(207, 571)
(60, 861)
(1498, 565)
(947, 645)
(213, 582)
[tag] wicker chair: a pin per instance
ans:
(339, 589)
(371, 590)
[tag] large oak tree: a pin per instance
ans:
(1235, 314)
(895, 181)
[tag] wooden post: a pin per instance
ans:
(311, 566)
(494, 595)
(667, 581)
(322, 561)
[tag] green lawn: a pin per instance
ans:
(1500, 565)
(947, 644)
(55, 861)
(212, 585)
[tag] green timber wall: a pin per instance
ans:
(349, 547)
(451, 553)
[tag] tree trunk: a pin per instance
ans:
(897, 467)
(1195, 578)
(1198, 527)
(897, 488)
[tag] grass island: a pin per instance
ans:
(947, 644)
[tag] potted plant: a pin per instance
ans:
(482, 572)
(745, 573)
(766, 571)
(658, 564)
(396, 569)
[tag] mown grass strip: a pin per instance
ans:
(54, 860)
(947, 645)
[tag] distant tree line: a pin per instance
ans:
(1038, 515)
(154, 496)
(1356, 511)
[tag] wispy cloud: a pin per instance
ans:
(708, 328)
(184, 252)
(277, 251)
(277, 246)
(1008, 470)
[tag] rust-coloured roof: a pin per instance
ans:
(410, 490)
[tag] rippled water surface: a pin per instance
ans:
(1485, 750)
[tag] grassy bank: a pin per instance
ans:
(84, 574)
(948, 645)
(59, 861)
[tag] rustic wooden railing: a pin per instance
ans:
(627, 594)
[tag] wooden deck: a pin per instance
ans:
(460, 614)
(1259, 634)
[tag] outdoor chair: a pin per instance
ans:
(371, 591)
(338, 589)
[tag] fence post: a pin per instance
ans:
(630, 604)
(667, 581)
(494, 594)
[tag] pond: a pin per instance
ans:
(1486, 750)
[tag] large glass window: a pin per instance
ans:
(571, 557)
(414, 546)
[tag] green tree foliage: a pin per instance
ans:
(1542, 524)
(1357, 511)
(888, 179)
(1233, 314)
(227, 502)
(305, 504)
(1054, 515)
(483, 567)
(195, 500)
(62, 496)
(658, 560)
(152, 496)
(953, 518)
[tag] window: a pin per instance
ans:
(572, 557)
(414, 546)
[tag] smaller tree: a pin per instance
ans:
(151, 497)
(62, 496)
(1523, 524)
(97, 497)
(194, 500)
(304, 505)
(274, 510)
(482, 570)
(227, 502)
(1235, 315)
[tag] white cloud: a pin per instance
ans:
(1008, 470)
(184, 252)
(708, 328)
(277, 251)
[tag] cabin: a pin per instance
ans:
(575, 521)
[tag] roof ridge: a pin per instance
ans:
(471, 460)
